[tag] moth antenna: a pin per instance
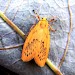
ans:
(37, 16)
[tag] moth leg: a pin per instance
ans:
(53, 19)
(32, 27)
(51, 29)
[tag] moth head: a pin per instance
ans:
(44, 18)
(43, 23)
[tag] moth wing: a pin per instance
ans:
(30, 47)
(42, 55)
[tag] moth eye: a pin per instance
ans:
(42, 18)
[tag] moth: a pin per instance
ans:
(37, 43)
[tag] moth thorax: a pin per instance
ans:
(43, 24)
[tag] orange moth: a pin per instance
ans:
(37, 43)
